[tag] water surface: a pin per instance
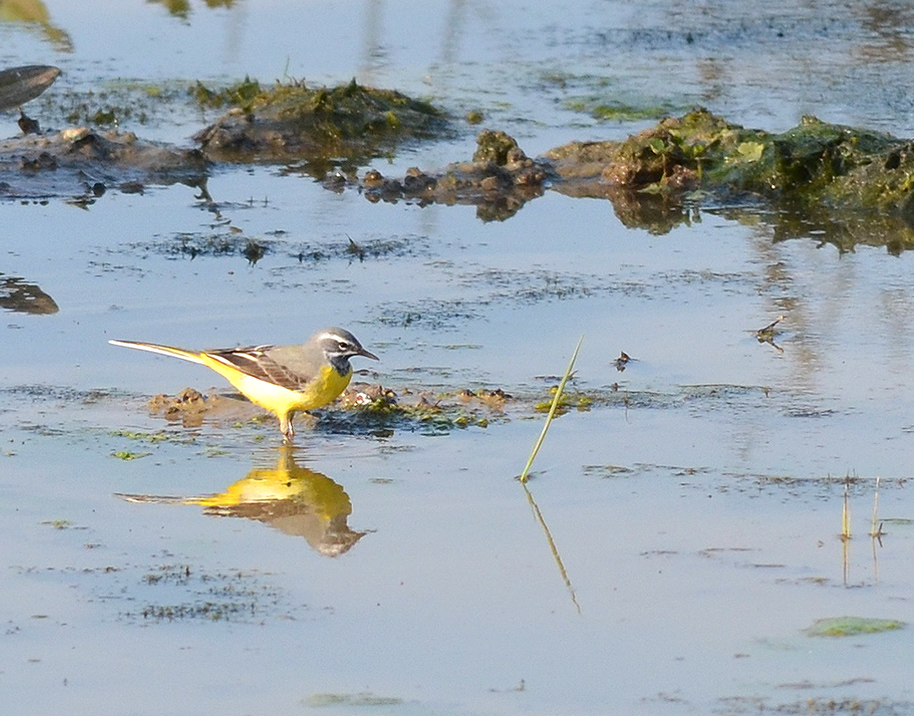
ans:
(678, 537)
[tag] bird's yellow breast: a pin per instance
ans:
(325, 388)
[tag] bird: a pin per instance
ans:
(281, 379)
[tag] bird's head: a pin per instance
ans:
(338, 346)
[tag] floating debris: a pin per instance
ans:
(767, 334)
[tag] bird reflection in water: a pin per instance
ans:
(292, 499)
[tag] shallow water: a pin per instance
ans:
(678, 537)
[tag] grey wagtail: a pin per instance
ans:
(282, 379)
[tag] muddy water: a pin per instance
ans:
(679, 536)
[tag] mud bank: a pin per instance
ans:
(654, 178)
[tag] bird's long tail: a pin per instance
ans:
(183, 354)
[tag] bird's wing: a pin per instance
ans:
(256, 362)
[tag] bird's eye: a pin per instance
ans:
(343, 346)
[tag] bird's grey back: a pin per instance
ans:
(304, 360)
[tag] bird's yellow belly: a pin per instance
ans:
(324, 389)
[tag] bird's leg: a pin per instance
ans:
(285, 427)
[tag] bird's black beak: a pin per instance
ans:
(367, 354)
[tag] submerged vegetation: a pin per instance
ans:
(852, 626)
(234, 595)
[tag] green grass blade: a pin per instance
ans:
(555, 403)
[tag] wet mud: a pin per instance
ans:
(293, 121)
(654, 179)
(363, 408)
(82, 164)
(498, 180)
